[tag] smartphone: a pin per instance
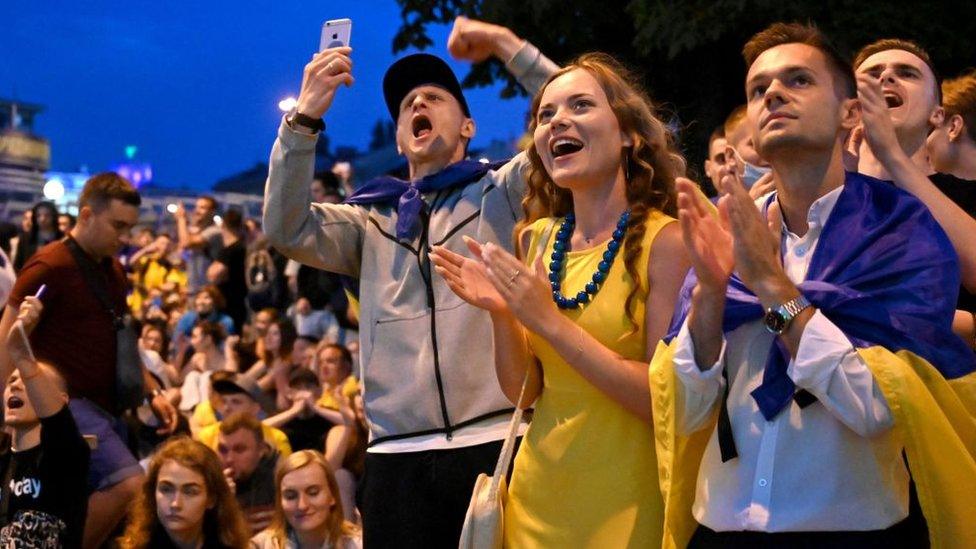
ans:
(335, 33)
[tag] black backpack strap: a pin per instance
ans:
(94, 278)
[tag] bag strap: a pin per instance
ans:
(505, 459)
(94, 278)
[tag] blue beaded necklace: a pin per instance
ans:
(559, 249)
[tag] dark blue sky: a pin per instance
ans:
(195, 85)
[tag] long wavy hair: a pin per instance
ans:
(651, 164)
(223, 522)
(337, 526)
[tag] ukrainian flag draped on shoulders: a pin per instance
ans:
(886, 274)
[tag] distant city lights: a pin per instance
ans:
(171, 208)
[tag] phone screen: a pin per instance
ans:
(335, 33)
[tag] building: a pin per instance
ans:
(24, 157)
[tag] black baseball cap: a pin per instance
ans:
(416, 70)
(232, 383)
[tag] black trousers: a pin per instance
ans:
(902, 535)
(418, 499)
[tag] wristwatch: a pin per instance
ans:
(778, 319)
(314, 124)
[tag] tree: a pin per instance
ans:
(383, 133)
(689, 51)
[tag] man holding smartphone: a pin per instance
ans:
(436, 413)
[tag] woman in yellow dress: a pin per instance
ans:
(576, 320)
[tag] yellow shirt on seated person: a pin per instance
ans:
(350, 388)
(274, 437)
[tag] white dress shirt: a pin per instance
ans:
(834, 465)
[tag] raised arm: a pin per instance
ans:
(476, 41)
(879, 133)
(326, 236)
(44, 394)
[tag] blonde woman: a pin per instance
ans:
(308, 511)
(579, 315)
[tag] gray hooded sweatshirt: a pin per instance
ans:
(427, 357)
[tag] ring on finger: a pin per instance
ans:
(511, 279)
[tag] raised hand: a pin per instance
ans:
(755, 250)
(476, 41)
(526, 290)
(468, 277)
(707, 238)
(852, 148)
(764, 185)
(327, 70)
(877, 128)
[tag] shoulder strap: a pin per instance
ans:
(94, 278)
(505, 459)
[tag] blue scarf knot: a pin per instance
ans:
(409, 195)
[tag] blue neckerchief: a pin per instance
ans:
(883, 271)
(408, 195)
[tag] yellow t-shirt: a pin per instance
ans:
(275, 437)
(350, 387)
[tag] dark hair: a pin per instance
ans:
(959, 97)
(213, 201)
(887, 44)
(160, 327)
(303, 377)
(211, 329)
(779, 34)
(215, 294)
(233, 219)
(288, 337)
(102, 188)
(653, 163)
(717, 133)
(223, 522)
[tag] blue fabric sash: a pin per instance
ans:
(409, 195)
(883, 271)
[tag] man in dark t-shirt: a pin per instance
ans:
(963, 193)
(44, 465)
(305, 424)
(78, 336)
(228, 272)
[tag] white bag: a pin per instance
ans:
(484, 523)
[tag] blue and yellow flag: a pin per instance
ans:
(886, 274)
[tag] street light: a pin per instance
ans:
(287, 104)
(53, 189)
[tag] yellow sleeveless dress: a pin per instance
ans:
(586, 473)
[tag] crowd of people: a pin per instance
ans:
(780, 355)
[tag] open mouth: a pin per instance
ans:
(893, 100)
(15, 402)
(421, 126)
(565, 145)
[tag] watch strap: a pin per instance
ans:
(787, 312)
(314, 124)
